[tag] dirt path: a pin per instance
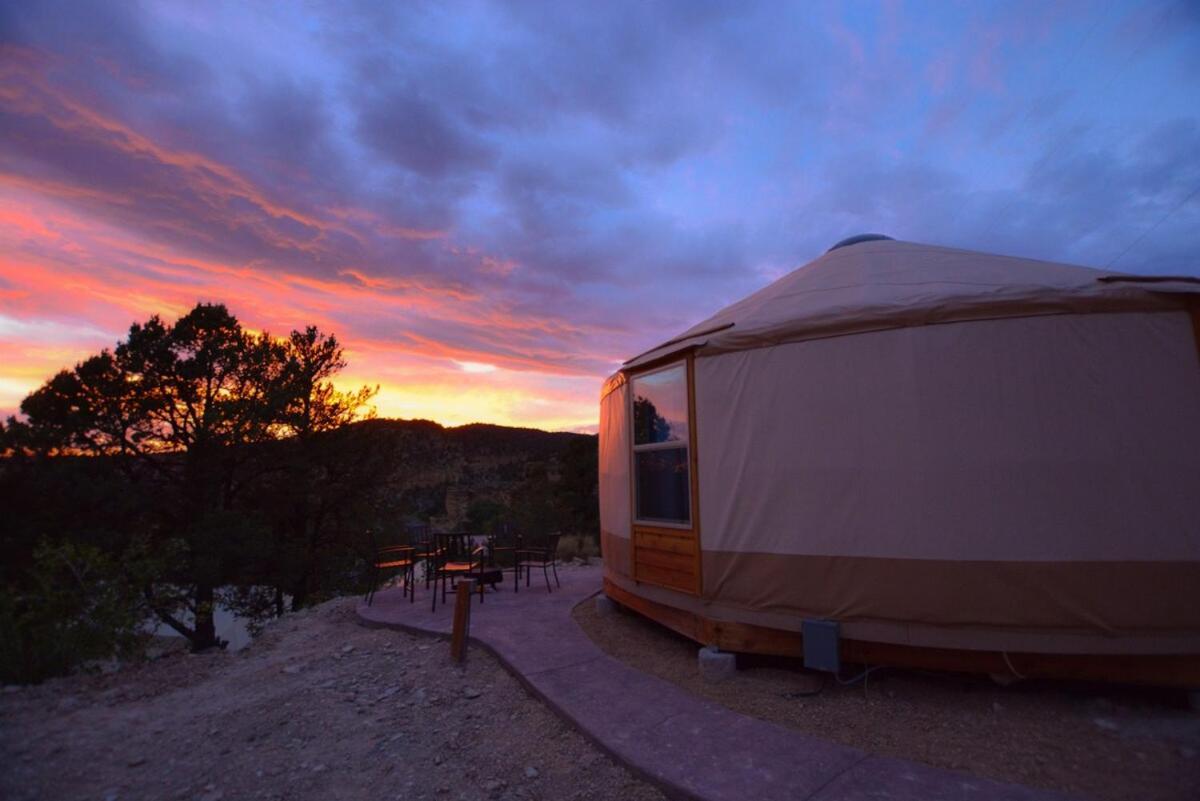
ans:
(317, 708)
(1098, 742)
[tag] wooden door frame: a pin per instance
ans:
(691, 532)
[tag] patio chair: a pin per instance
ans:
(506, 546)
(462, 556)
(395, 559)
(543, 555)
(426, 548)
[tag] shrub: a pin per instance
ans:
(73, 604)
(578, 546)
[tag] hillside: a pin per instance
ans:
(440, 472)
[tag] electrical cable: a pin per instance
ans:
(1152, 228)
(1012, 669)
(1059, 76)
(859, 677)
(1120, 71)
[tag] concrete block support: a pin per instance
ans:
(716, 665)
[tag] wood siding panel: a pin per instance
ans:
(684, 562)
(672, 579)
(667, 557)
(658, 542)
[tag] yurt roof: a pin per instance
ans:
(871, 283)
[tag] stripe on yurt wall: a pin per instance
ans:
(1104, 598)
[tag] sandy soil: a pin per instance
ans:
(1101, 742)
(317, 708)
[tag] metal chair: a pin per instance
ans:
(506, 545)
(457, 555)
(396, 559)
(422, 540)
(543, 555)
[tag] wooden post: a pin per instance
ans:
(462, 621)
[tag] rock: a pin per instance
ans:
(291, 670)
(471, 692)
(347, 649)
(104, 667)
(605, 605)
(136, 761)
(320, 768)
(111, 794)
(716, 665)
(531, 772)
(493, 786)
(1106, 724)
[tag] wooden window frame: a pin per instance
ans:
(668, 445)
(656, 544)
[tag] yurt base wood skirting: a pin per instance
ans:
(667, 557)
(1174, 670)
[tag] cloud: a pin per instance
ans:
(548, 191)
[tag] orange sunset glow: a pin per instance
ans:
(491, 228)
(80, 265)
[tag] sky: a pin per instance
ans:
(492, 205)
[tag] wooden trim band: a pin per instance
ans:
(1170, 670)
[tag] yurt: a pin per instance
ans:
(920, 456)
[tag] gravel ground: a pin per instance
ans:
(1102, 742)
(317, 708)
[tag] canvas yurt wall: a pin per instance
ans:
(949, 453)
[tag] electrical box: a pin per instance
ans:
(821, 640)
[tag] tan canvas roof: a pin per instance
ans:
(883, 284)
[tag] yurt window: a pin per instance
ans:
(660, 445)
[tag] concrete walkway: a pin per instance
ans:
(690, 747)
